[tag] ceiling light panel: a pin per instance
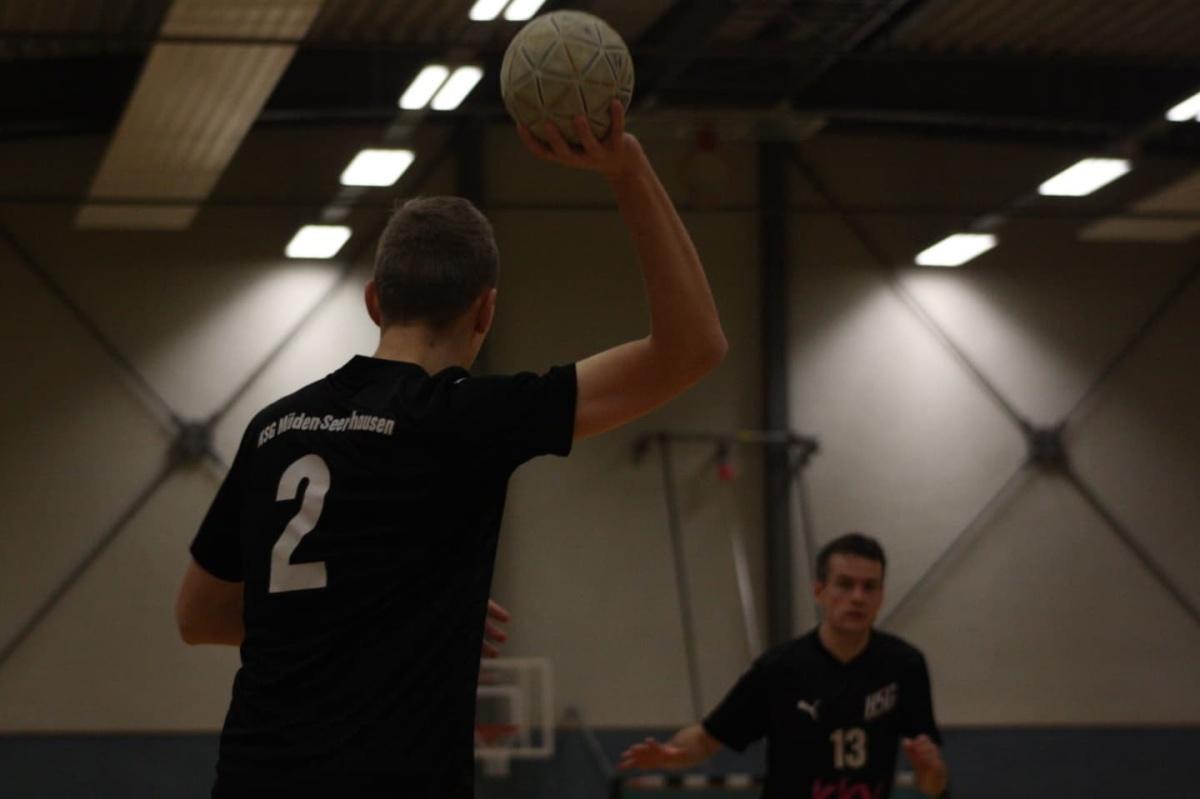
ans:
(956, 250)
(1187, 110)
(456, 88)
(424, 86)
(317, 241)
(485, 10)
(1084, 177)
(377, 167)
(522, 9)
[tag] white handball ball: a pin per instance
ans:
(564, 64)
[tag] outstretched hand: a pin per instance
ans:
(651, 754)
(926, 760)
(613, 157)
(493, 634)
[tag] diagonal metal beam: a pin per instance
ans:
(1168, 302)
(906, 298)
(964, 539)
(158, 405)
(99, 548)
(1126, 537)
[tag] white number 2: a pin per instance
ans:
(285, 575)
(849, 748)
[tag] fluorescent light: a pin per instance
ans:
(456, 89)
(484, 10)
(957, 249)
(1188, 109)
(1084, 177)
(317, 241)
(377, 167)
(522, 9)
(423, 87)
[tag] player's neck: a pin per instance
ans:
(432, 350)
(845, 646)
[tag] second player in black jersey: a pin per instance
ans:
(833, 705)
(349, 551)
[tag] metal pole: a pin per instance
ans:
(777, 479)
(681, 581)
(741, 563)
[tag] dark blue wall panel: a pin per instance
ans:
(985, 764)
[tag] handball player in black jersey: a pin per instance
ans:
(834, 705)
(349, 551)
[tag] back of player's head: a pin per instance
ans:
(857, 544)
(435, 257)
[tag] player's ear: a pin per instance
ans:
(485, 313)
(371, 297)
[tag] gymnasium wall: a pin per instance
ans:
(214, 318)
(1034, 610)
(1037, 617)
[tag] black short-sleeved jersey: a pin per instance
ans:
(832, 728)
(362, 512)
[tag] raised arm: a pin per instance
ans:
(685, 341)
(688, 747)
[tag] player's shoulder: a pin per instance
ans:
(469, 392)
(894, 647)
(787, 654)
(283, 405)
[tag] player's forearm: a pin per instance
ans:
(696, 745)
(934, 781)
(685, 329)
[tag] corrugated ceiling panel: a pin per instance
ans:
(136, 217)
(131, 17)
(192, 106)
(631, 20)
(1156, 231)
(410, 21)
(247, 19)
(130, 20)
(1148, 29)
(189, 112)
(1183, 196)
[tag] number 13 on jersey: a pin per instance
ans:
(849, 748)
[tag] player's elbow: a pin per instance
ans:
(189, 621)
(190, 630)
(706, 354)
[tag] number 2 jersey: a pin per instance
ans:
(362, 513)
(832, 728)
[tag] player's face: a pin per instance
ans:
(852, 592)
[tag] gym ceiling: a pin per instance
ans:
(173, 87)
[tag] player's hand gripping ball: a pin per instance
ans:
(564, 64)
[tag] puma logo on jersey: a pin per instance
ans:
(809, 709)
(880, 702)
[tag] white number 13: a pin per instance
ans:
(285, 575)
(849, 748)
